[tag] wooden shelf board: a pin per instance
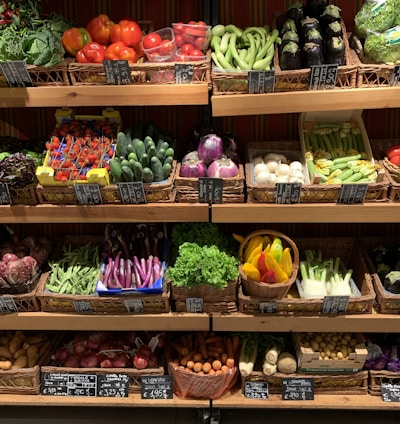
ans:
(133, 400)
(236, 400)
(306, 213)
(134, 95)
(150, 212)
(373, 323)
(172, 321)
(305, 101)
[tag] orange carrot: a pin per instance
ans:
(224, 357)
(198, 366)
(190, 364)
(217, 364)
(206, 367)
(182, 350)
(186, 358)
(230, 362)
(211, 372)
(224, 368)
(197, 357)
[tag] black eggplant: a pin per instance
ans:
(288, 37)
(312, 55)
(392, 282)
(314, 8)
(308, 24)
(330, 14)
(296, 12)
(334, 29)
(313, 36)
(288, 25)
(335, 51)
(290, 57)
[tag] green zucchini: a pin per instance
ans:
(148, 175)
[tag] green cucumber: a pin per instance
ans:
(151, 152)
(130, 148)
(122, 142)
(128, 174)
(161, 155)
(115, 170)
(144, 160)
(148, 175)
(157, 168)
(138, 171)
(170, 152)
(139, 147)
(124, 162)
(167, 168)
(169, 159)
(148, 140)
(132, 156)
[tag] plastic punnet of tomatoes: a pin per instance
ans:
(196, 34)
(159, 46)
(79, 159)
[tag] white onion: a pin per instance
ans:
(257, 159)
(275, 156)
(282, 170)
(282, 179)
(263, 177)
(272, 165)
(295, 180)
(260, 167)
(296, 165)
(297, 174)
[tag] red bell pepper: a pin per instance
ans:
(393, 151)
(100, 28)
(74, 39)
(261, 265)
(91, 53)
(119, 51)
(127, 31)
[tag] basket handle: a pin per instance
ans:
(273, 233)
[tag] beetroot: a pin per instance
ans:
(144, 358)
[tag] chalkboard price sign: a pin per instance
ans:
(351, 194)
(256, 390)
(390, 392)
(335, 305)
(395, 79)
(286, 193)
(7, 304)
(156, 387)
(323, 77)
(194, 304)
(297, 389)
(117, 72)
(210, 190)
(5, 197)
(83, 307)
(16, 74)
(268, 307)
(132, 193)
(184, 73)
(88, 194)
(86, 385)
(260, 82)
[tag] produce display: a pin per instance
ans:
(311, 34)
(377, 31)
(336, 154)
(386, 260)
(251, 48)
(100, 349)
(22, 349)
(133, 257)
(266, 260)
(142, 155)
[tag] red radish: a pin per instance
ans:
(88, 360)
(72, 362)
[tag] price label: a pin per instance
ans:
(323, 77)
(256, 390)
(194, 304)
(117, 72)
(210, 190)
(5, 197)
(184, 73)
(16, 74)
(390, 392)
(7, 304)
(88, 194)
(156, 387)
(351, 194)
(134, 305)
(83, 307)
(298, 389)
(268, 307)
(395, 78)
(64, 384)
(287, 193)
(335, 305)
(113, 385)
(260, 82)
(132, 193)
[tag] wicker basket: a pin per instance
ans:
(24, 195)
(269, 290)
(377, 378)
(187, 189)
(332, 384)
(55, 75)
(292, 304)
(392, 171)
(206, 292)
(385, 302)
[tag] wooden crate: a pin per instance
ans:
(310, 362)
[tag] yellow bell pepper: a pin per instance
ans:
(272, 264)
(239, 238)
(287, 261)
(256, 251)
(251, 271)
(255, 260)
(251, 245)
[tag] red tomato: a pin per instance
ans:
(178, 28)
(178, 40)
(186, 36)
(395, 160)
(187, 48)
(196, 53)
(200, 43)
(151, 40)
(165, 48)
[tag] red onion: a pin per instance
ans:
(193, 169)
(210, 148)
(222, 168)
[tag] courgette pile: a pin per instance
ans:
(141, 160)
